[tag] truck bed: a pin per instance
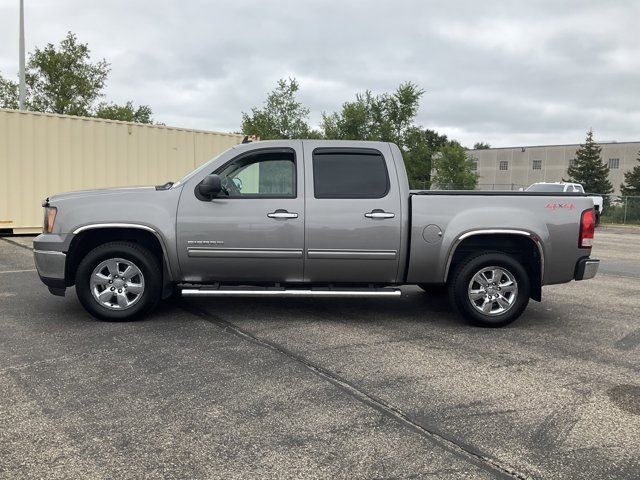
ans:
(440, 219)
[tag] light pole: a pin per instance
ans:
(22, 90)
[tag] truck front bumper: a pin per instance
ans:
(51, 265)
(586, 268)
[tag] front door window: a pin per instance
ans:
(267, 174)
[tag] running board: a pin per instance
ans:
(289, 293)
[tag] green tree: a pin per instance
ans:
(125, 113)
(419, 147)
(385, 117)
(282, 116)
(453, 168)
(8, 93)
(388, 117)
(481, 146)
(62, 79)
(354, 122)
(589, 169)
(631, 185)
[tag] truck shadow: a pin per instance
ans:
(414, 307)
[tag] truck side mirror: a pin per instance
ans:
(210, 187)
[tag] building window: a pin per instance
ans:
(614, 163)
(536, 165)
(572, 162)
(504, 165)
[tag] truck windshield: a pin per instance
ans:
(193, 172)
(545, 187)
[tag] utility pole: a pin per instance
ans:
(22, 91)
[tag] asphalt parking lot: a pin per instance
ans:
(249, 388)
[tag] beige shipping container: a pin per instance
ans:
(43, 154)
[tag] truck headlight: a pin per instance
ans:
(49, 219)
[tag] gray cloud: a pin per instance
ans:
(509, 73)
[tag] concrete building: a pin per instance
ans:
(513, 167)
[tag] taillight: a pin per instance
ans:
(587, 229)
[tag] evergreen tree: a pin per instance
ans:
(631, 185)
(589, 169)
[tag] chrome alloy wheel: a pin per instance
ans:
(493, 290)
(117, 284)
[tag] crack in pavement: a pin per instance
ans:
(465, 452)
(16, 243)
(629, 341)
(4, 272)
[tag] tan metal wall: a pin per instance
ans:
(43, 154)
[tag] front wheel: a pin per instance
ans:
(490, 289)
(119, 281)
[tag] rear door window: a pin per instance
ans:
(349, 173)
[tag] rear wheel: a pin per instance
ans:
(119, 281)
(490, 289)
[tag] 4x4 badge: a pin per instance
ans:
(556, 205)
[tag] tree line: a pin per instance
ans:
(387, 117)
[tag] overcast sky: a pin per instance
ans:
(510, 73)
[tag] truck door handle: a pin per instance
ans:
(280, 213)
(377, 213)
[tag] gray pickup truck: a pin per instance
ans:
(307, 218)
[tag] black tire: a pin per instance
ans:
(434, 288)
(597, 218)
(467, 269)
(134, 253)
